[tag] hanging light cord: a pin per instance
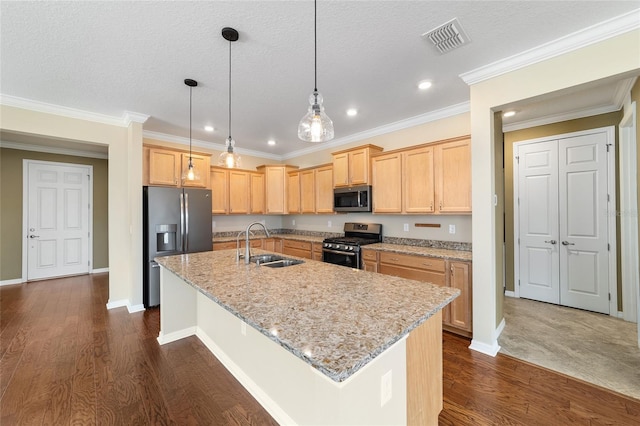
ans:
(190, 93)
(315, 46)
(229, 95)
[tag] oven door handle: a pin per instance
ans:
(348, 253)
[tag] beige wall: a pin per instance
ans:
(603, 120)
(635, 97)
(588, 64)
(11, 162)
(500, 237)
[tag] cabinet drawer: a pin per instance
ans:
(419, 262)
(437, 278)
(300, 245)
(371, 255)
(292, 251)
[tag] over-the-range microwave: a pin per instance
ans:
(352, 199)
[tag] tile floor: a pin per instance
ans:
(592, 347)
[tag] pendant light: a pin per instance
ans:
(315, 126)
(230, 158)
(190, 173)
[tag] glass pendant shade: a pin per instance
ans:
(229, 158)
(315, 126)
(190, 172)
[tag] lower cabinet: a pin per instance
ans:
(297, 248)
(456, 316)
(274, 245)
(226, 245)
(317, 251)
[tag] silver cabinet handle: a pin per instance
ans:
(567, 243)
(34, 236)
(551, 242)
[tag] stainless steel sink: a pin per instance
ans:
(263, 258)
(274, 261)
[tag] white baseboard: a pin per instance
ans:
(500, 328)
(135, 308)
(176, 335)
(491, 350)
(510, 293)
(99, 270)
(117, 303)
(11, 282)
(251, 386)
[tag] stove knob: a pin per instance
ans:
(349, 248)
(327, 245)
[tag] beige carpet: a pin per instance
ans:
(593, 347)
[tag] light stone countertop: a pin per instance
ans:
(335, 318)
(299, 237)
(422, 251)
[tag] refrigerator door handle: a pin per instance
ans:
(182, 222)
(186, 222)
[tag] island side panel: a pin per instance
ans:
(178, 304)
(424, 372)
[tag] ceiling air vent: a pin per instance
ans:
(448, 36)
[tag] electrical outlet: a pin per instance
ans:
(329, 224)
(293, 222)
(213, 223)
(385, 388)
(452, 229)
(243, 328)
(406, 227)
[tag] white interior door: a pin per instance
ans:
(58, 218)
(538, 221)
(584, 257)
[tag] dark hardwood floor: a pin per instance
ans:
(66, 359)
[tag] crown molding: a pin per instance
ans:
(207, 145)
(417, 120)
(557, 118)
(623, 90)
(124, 121)
(579, 39)
(53, 150)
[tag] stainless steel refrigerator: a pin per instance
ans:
(175, 221)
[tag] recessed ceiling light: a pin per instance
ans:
(351, 112)
(424, 85)
(509, 114)
(208, 128)
(271, 142)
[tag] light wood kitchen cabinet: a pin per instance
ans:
(293, 192)
(219, 190)
(273, 245)
(459, 315)
(239, 191)
(227, 245)
(308, 191)
(316, 251)
(297, 248)
(201, 164)
(369, 260)
(164, 167)
(351, 167)
(420, 268)
(387, 183)
(276, 193)
(453, 176)
(236, 191)
(257, 193)
(324, 189)
(417, 181)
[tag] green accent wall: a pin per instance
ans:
(11, 207)
(603, 120)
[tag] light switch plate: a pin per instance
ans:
(293, 222)
(452, 229)
(329, 224)
(406, 227)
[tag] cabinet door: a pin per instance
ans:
(293, 194)
(219, 194)
(164, 167)
(257, 193)
(387, 184)
(453, 177)
(201, 166)
(417, 181)
(317, 251)
(369, 260)
(238, 192)
(359, 167)
(275, 193)
(324, 189)
(341, 169)
(460, 308)
(308, 191)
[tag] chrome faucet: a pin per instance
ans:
(247, 247)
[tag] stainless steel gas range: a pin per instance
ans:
(345, 250)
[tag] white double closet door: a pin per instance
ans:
(562, 209)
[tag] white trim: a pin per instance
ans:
(12, 282)
(279, 415)
(574, 41)
(135, 308)
(498, 331)
(99, 271)
(623, 90)
(516, 221)
(163, 339)
(122, 121)
(510, 293)
(620, 315)
(117, 304)
(53, 150)
(491, 350)
(558, 118)
(25, 208)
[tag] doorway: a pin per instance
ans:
(565, 236)
(57, 219)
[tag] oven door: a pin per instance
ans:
(343, 258)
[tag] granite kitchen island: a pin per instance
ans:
(314, 343)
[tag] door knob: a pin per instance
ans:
(34, 236)
(567, 243)
(551, 242)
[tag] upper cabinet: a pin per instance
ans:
(164, 167)
(276, 194)
(324, 189)
(256, 201)
(351, 167)
(311, 190)
(293, 192)
(236, 191)
(219, 190)
(433, 178)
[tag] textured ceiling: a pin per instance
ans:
(110, 57)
